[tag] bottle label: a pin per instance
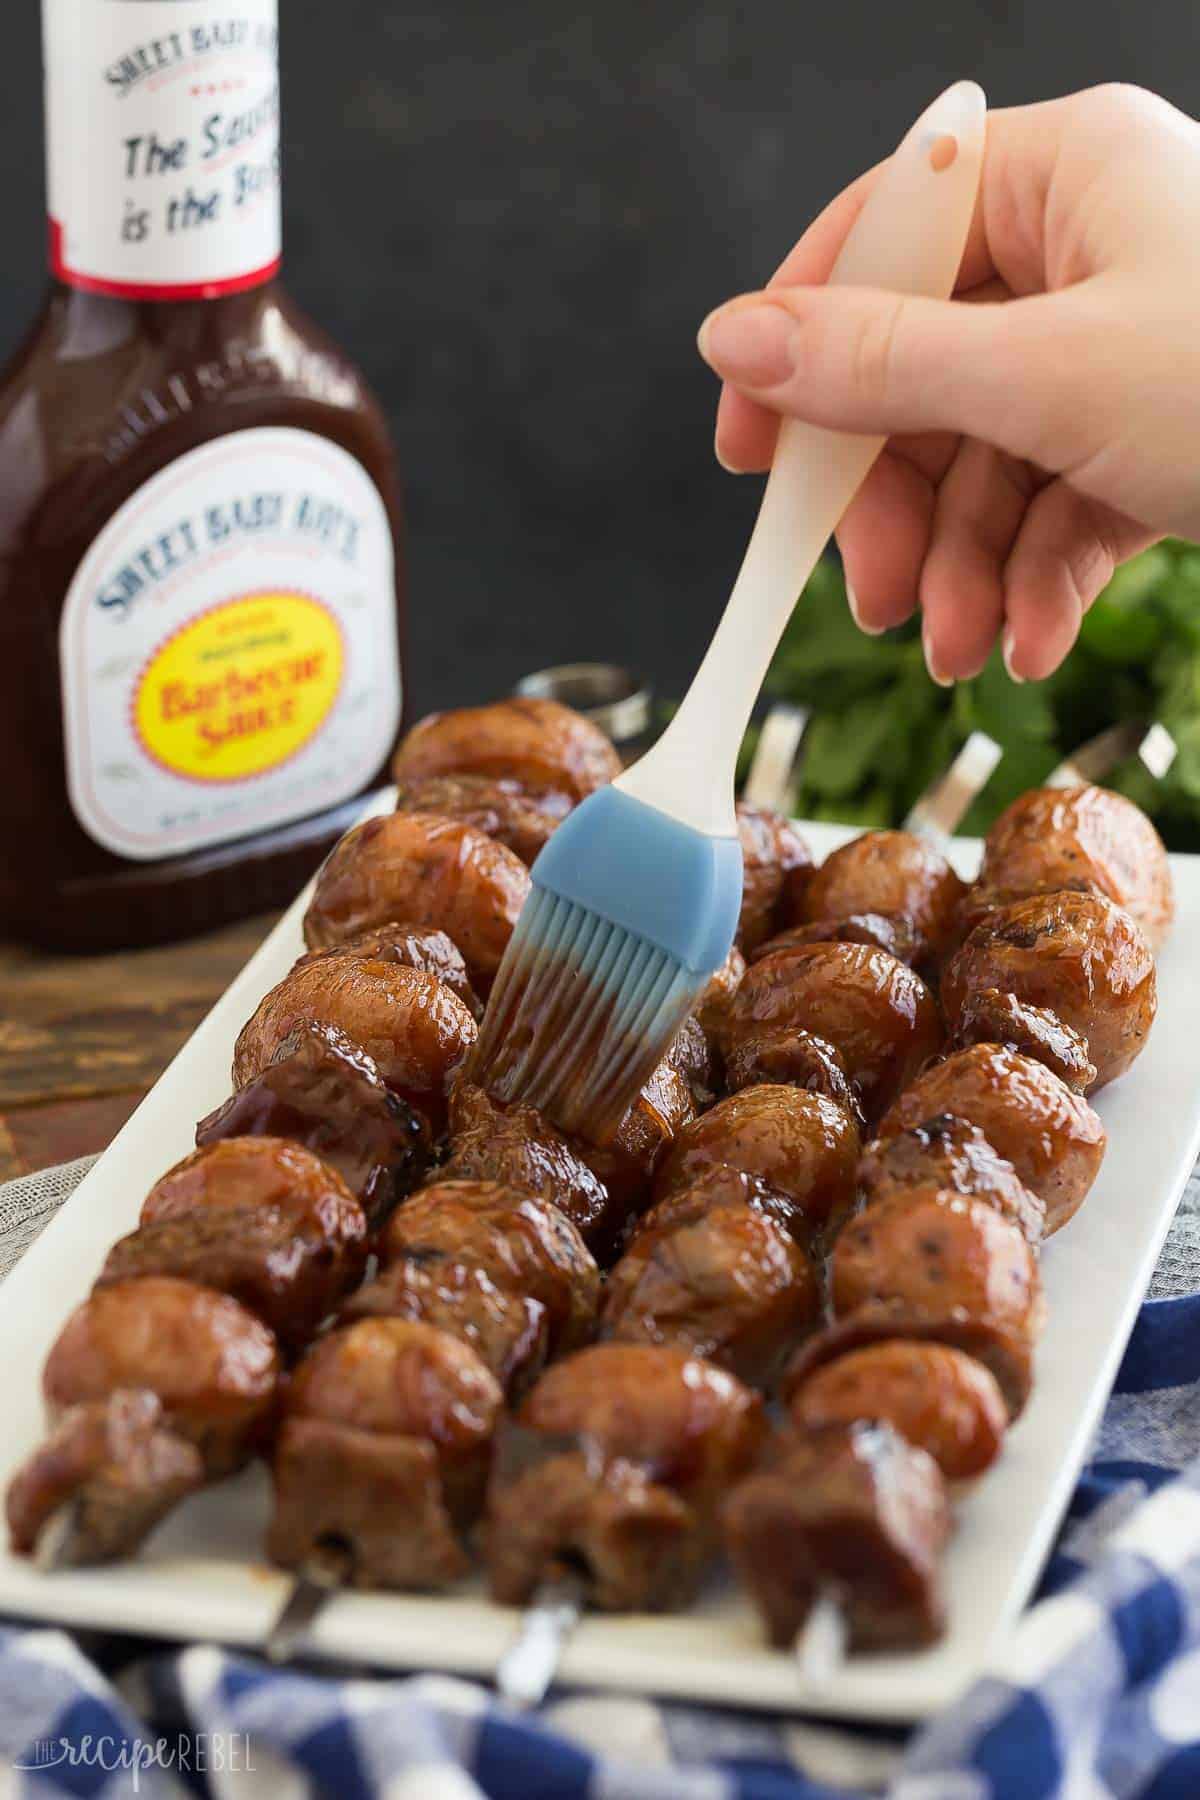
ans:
(162, 137)
(228, 647)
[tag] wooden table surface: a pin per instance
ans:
(82, 1038)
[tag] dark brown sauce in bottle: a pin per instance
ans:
(178, 703)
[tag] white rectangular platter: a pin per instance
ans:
(202, 1576)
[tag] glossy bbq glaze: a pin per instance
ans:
(413, 1027)
(614, 1468)
(936, 1251)
(386, 1419)
(724, 1280)
(1087, 838)
(1079, 956)
(879, 1016)
(801, 1144)
(1049, 1134)
(257, 1218)
(104, 394)
(952, 1154)
(777, 867)
(422, 947)
(214, 1366)
(990, 1016)
(548, 751)
(896, 875)
(430, 870)
(934, 1396)
(504, 1271)
(324, 1091)
(502, 810)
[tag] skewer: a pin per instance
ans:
(820, 1647)
(772, 776)
(1155, 748)
(526, 1671)
(56, 1539)
(324, 1574)
(942, 806)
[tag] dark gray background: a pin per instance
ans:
(515, 216)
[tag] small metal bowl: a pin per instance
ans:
(613, 698)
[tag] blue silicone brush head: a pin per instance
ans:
(630, 915)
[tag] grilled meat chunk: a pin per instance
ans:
(324, 1092)
(383, 1453)
(615, 1468)
(950, 1153)
(848, 1508)
(421, 947)
(119, 1470)
(777, 865)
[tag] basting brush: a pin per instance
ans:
(635, 898)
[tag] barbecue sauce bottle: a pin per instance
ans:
(200, 576)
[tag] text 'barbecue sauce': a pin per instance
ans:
(200, 575)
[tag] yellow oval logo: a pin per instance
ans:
(241, 688)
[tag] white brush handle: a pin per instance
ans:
(909, 238)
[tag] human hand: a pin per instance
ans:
(1032, 445)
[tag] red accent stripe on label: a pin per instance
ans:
(151, 290)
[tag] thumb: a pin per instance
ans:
(859, 359)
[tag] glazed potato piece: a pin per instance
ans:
(1004, 1349)
(721, 1186)
(1077, 955)
(543, 747)
(1050, 1135)
(627, 1163)
(881, 1017)
(384, 1452)
(1085, 838)
(988, 1016)
(117, 1468)
(522, 822)
(950, 1153)
(323, 1091)
(729, 1284)
(854, 1507)
(898, 936)
(422, 947)
(258, 1218)
(213, 1365)
(790, 1058)
(799, 1143)
(415, 1030)
(614, 1470)
(893, 873)
(714, 1001)
(777, 864)
(509, 1332)
(936, 1250)
(517, 1147)
(524, 1244)
(934, 1396)
(426, 869)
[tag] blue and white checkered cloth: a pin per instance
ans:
(1095, 1696)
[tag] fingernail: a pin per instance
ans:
(1006, 652)
(935, 674)
(750, 345)
(856, 615)
(730, 468)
